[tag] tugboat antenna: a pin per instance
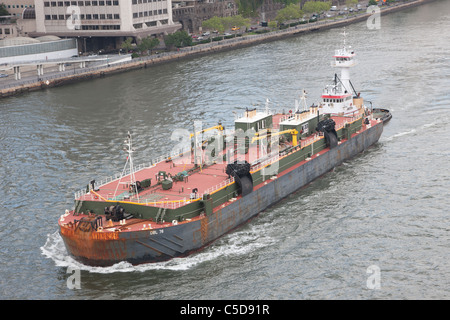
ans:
(129, 149)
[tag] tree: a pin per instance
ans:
(316, 6)
(148, 43)
(289, 12)
(272, 24)
(349, 3)
(127, 44)
(225, 23)
(240, 21)
(214, 23)
(178, 39)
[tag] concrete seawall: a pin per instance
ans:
(202, 49)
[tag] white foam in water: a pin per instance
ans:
(424, 126)
(236, 243)
(400, 134)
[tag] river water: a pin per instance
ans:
(376, 227)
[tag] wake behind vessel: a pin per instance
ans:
(176, 205)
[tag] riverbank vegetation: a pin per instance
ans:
(225, 23)
(249, 8)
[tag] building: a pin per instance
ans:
(99, 24)
(26, 49)
(191, 13)
(16, 7)
(9, 25)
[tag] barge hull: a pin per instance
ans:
(180, 240)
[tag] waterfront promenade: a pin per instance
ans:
(58, 78)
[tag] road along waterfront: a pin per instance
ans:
(61, 78)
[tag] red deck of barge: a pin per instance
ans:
(204, 180)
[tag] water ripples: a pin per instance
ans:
(385, 207)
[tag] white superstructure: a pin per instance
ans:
(337, 98)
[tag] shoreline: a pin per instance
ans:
(199, 50)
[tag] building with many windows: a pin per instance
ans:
(17, 7)
(104, 23)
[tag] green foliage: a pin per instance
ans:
(373, 3)
(316, 6)
(249, 8)
(350, 3)
(127, 44)
(178, 39)
(148, 44)
(272, 24)
(225, 23)
(215, 23)
(289, 12)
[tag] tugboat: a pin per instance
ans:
(176, 205)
